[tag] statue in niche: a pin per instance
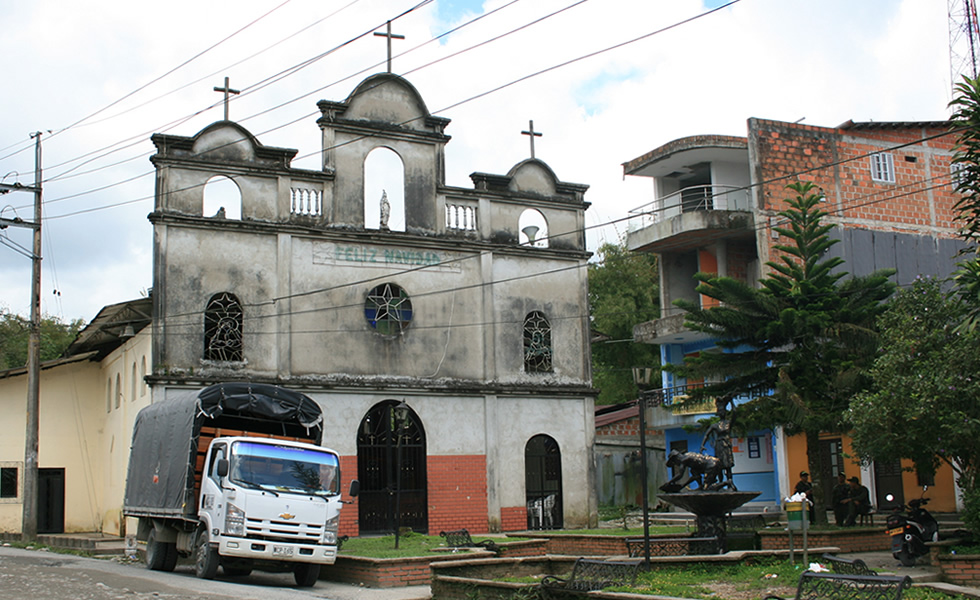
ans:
(385, 210)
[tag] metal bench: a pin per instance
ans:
(848, 566)
(590, 575)
(814, 586)
(673, 546)
(460, 538)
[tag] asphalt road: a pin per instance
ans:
(40, 575)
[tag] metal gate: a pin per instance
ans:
(391, 469)
(542, 478)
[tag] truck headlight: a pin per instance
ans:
(234, 520)
(330, 530)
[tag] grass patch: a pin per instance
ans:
(747, 581)
(632, 532)
(965, 549)
(409, 545)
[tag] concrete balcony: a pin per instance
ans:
(689, 218)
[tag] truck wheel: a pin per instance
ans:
(205, 557)
(160, 556)
(306, 574)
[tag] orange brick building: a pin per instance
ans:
(887, 189)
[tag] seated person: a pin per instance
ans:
(858, 502)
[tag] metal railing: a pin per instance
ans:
(689, 199)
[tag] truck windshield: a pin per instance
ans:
(284, 468)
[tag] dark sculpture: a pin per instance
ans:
(699, 468)
(710, 502)
(710, 473)
(721, 431)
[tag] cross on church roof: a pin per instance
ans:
(532, 134)
(390, 36)
(227, 90)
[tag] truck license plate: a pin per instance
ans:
(896, 531)
(282, 551)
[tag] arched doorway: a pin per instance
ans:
(391, 456)
(542, 483)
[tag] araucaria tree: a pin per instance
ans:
(797, 346)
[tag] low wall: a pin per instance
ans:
(960, 569)
(854, 539)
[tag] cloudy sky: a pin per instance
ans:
(99, 77)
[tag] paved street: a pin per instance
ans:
(37, 575)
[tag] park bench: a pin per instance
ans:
(849, 587)
(673, 546)
(460, 538)
(848, 566)
(590, 575)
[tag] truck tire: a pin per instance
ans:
(306, 574)
(205, 557)
(160, 556)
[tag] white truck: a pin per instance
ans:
(234, 475)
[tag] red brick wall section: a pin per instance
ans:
(960, 569)
(625, 428)
(513, 518)
(348, 514)
(847, 541)
(920, 199)
(457, 493)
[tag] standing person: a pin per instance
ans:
(803, 486)
(840, 493)
(858, 502)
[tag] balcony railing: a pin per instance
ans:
(689, 199)
(677, 399)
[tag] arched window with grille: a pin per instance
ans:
(223, 328)
(537, 343)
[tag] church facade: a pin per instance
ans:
(445, 335)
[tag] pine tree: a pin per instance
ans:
(799, 345)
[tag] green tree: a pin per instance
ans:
(624, 290)
(56, 336)
(799, 345)
(926, 402)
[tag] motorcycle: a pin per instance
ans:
(911, 531)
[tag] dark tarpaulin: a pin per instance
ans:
(160, 478)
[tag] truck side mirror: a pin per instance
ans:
(222, 467)
(355, 488)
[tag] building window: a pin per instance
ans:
(388, 309)
(108, 395)
(223, 328)
(8, 482)
(119, 392)
(537, 343)
(957, 174)
(143, 377)
(883, 167)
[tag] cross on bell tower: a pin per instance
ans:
(227, 90)
(390, 36)
(532, 134)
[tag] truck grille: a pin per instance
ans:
(283, 531)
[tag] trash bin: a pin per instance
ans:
(795, 514)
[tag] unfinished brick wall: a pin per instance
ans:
(920, 201)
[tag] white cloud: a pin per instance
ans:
(823, 61)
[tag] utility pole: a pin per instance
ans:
(30, 498)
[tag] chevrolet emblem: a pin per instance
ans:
(287, 516)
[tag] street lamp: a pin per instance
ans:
(641, 377)
(401, 413)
